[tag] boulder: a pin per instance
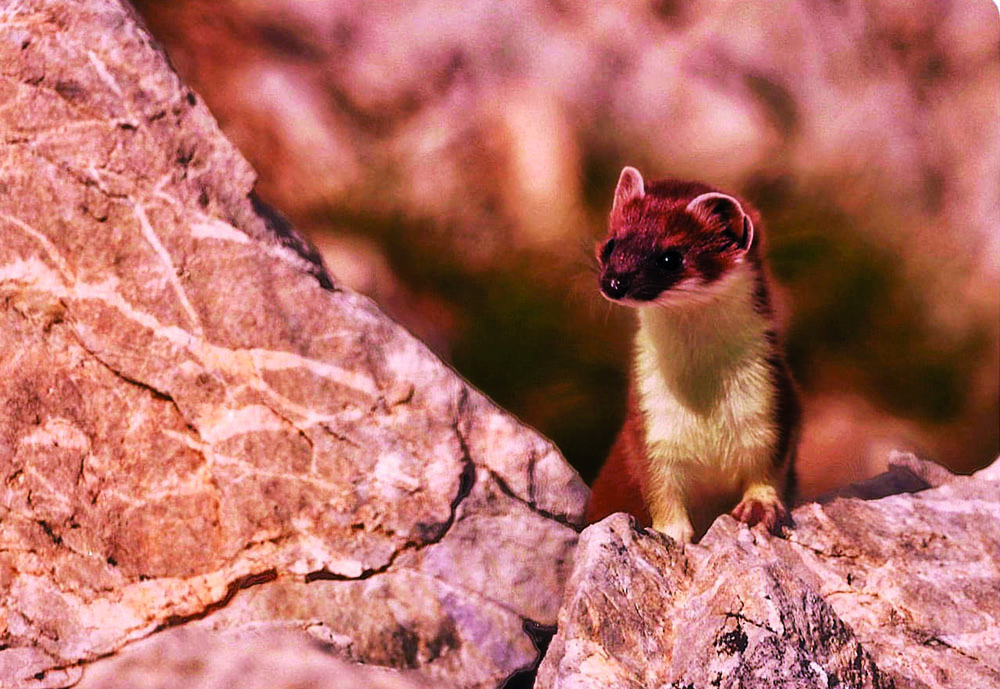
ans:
(895, 590)
(201, 427)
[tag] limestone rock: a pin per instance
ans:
(199, 425)
(892, 592)
(240, 659)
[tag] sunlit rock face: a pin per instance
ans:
(891, 584)
(200, 424)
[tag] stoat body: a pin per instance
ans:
(712, 412)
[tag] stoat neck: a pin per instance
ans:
(698, 347)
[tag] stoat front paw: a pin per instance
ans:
(682, 532)
(770, 514)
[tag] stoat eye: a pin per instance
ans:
(606, 250)
(670, 260)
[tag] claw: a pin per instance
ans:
(771, 515)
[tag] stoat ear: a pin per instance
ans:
(630, 188)
(726, 211)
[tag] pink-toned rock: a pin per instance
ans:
(898, 591)
(199, 424)
(261, 658)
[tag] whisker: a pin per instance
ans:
(607, 311)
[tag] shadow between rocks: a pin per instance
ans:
(906, 474)
(541, 636)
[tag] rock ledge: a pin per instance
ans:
(898, 591)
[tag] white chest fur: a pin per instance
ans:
(704, 386)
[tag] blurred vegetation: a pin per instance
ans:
(856, 310)
(536, 337)
(473, 149)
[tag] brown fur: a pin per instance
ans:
(616, 488)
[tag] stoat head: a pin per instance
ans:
(670, 242)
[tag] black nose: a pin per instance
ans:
(614, 287)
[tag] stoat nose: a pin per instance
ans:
(614, 287)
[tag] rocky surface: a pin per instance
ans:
(238, 659)
(218, 467)
(894, 591)
(199, 425)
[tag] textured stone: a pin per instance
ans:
(892, 592)
(198, 424)
(241, 659)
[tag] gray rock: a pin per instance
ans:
(893, 592)
(199, 425)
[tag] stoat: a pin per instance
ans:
(712, 411)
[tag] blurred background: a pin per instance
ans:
(456, 161)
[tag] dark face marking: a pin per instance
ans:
(656, 243)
